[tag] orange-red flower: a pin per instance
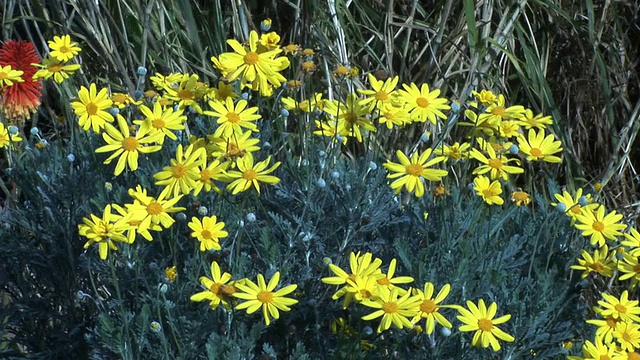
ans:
(22, 99)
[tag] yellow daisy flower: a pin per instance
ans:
(233, 148)
(233, 118)
(520, 198)
(528, 121)
(485, 97)
(481, 320)
(494, 164)
(8, 76)
(91, 107)
(363, 288)
(632, 240)
(363, 266)
(498, 112)
(160, 121)
(382, 92)
(627, 334)
(389, 280)
(125, 146)
(351, 116)
(53, 67)
(260, 71)
(183, 173)
(537, 147)
(250, 174)
(573, 205)
(63, 49)
(162, 82)
(629, 268)
(222, 92)
(423, 104)
(151, 211)
(188, 93)
(599, 350)
(599, 226)
(602, 262)
(411, 173)
(391, 115)
(217, 289)
(489, 191)
(606, 327)
(454, 152)
(214, 171)
(208, 232)
(263, 296)
(619, 308)
(430, 306)
(7, 139)
(104, 231)
(394, 310)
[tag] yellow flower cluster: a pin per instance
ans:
(220, 289)
(61, 50)
(366, 285)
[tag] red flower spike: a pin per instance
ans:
(22, 99)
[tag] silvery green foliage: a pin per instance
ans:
(517, 257)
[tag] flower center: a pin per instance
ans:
(597, 267)
(229, 290)
(55, 68)
(414, 169)
(158, 123)
(233, 118)
(365, 293)
(206, 234)
(185, 94)
(383, 281)
(576, 209)
(250, 175)
(535, 152)
(381, 96)
(390, 115)
(485, 324)
(390, 307)
(4, 75)
(350, 117)
(598, 226)
(205, 175)
(251, 58)
(626, 336)
(64, 49)
(422, 102)
(495, 163)
(265, 297)
(611, 322)
(604, 357)
(154, 208)
(621, 308)
(179, 171)
(498, 110)
(215, 288)
(130, 143)
(428, 306)
(636, 269)
(633, 356)
(92, 109)
(487, 193)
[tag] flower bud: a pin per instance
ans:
(284, 112)
(142, 71)
(425, 137)
(583, 201)
(181, 216)
(321, 183)
(446, 332)
(265, 25)
(334, 175)
(71, 158)
(251, 217)
(561, 207)
(202, 210)
(514, 149)
(13, 130)
(34, 131)
(113, 111)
